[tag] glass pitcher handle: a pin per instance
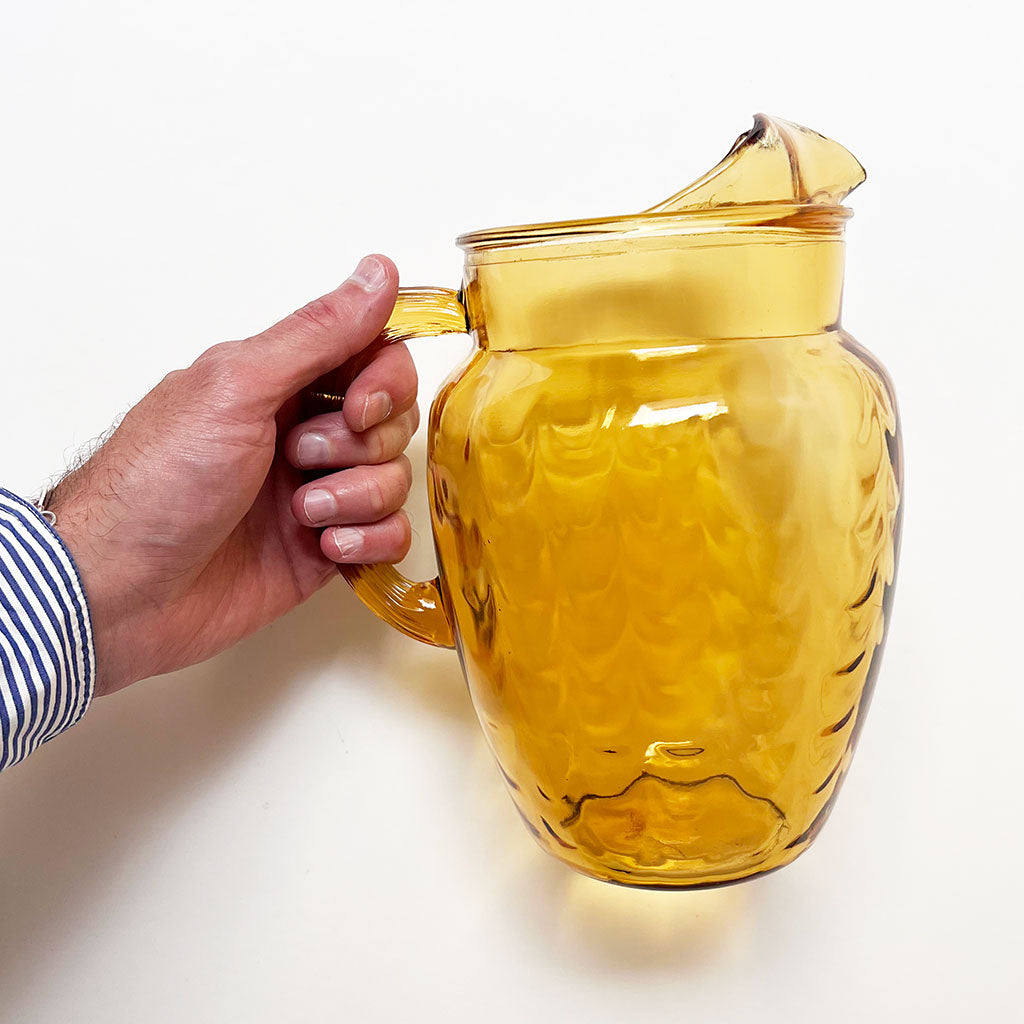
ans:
(416, 609)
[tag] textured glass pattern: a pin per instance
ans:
(665, 494)
(668, 569)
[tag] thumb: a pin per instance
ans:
(321, 336)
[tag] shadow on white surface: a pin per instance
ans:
(589, 926)
(80, 807)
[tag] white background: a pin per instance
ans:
(308, 828)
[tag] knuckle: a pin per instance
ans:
(407, 370)
(323, 314)
(174, 379)
(215, 364)
(401, 533)
(376, 497)
(405, 432)
(377, 445)
(406, 466)
(403, 435)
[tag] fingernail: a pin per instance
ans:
(319, 505)
(312, 449)
(369, 274)
(376, 408)
(349, 540)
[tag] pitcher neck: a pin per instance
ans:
(657, 291)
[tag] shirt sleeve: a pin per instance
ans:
(47, 657)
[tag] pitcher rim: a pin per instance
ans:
(807, 218)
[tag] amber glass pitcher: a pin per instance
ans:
(665, 492)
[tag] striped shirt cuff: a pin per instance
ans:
(47, 658)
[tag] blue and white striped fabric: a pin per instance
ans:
(47, 658)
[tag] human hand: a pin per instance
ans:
(192, 526)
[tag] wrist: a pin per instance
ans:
(109, 610)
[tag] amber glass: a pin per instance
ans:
(665, 493)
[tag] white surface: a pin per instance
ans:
(308, 828)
